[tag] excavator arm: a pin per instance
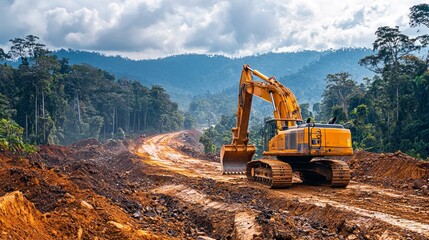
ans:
(235, 156)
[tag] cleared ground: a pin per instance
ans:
(164, 187)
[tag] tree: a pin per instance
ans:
(316, 109)
(396, 98)
(56, 102)
(6, 110)
(189, 121)
(11, 138)
(393, 50)
(419, 15)
(305, 111)
(336, 98)
(28, 48)
(3, 55)
(391, 46)
(216, 136)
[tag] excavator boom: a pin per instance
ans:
(235, 156)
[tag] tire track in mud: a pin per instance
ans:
(245, 225)
(361, 202)
(164, 155)
(411, 225)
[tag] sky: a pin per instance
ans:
(142, 29)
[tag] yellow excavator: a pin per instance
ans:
(289, 144)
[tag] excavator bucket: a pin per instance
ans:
(234, 158)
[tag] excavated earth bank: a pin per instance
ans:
(163, 187)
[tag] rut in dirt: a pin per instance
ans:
(119, 190)
(407, 218)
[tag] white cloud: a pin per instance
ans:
(154, 28)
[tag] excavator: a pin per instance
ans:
(290, 145)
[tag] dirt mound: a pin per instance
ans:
(189, 144)
(74, 197)
(85, 143)
(52, 154)
(391, 169)
(16, 211)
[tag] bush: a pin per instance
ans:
(11, 138)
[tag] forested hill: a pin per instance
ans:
(45, 99)
(192, 74)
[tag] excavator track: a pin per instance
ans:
(337, 173)
(270, 172)
(340, 173)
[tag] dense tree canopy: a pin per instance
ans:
(390, 112)
(55, 102)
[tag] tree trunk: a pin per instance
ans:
(26, 127)
(44, 117)
(138, 121)
(397, 103)
(145, 120)
(113, 123)
(78, 109)
(128, 122)
(35, 116)
(133, 122)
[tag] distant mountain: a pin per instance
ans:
(185, 76)
(309, 82)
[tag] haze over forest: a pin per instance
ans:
(186, 76)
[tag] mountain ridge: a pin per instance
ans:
(188, 75)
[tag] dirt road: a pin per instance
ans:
(361, 211)
(164, 187)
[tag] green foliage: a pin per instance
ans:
(6, 110)
(58, 103)
(419, 15)
(340, 94)
(189, 121)
(215, 136)
(27, 48)
(206, 107)
(305, 111)
(3, 55)
(391, 111)
(11, 138)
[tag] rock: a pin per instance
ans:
(352, 237)
(68, 195)
(86, 205)
(418, 184)
(119, 226)
(79, 233)
(204, 238)
(137, 214)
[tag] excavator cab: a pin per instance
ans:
(270, 130)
